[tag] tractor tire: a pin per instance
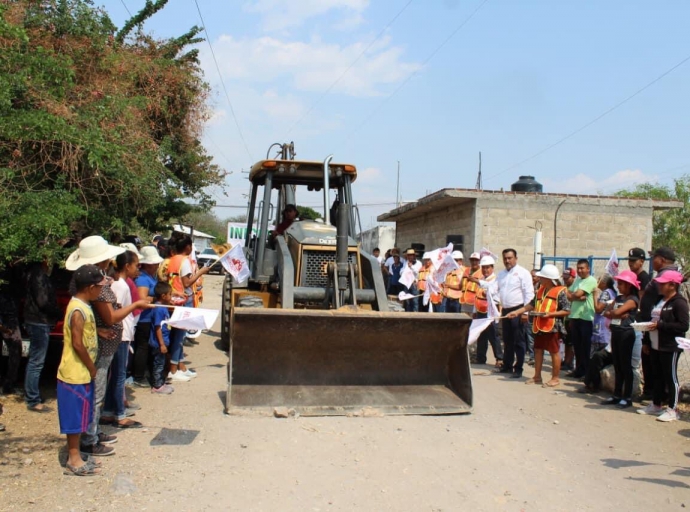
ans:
(225, 313)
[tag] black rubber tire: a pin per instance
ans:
(225, 313)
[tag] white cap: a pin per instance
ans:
(475, 256)
(486, 261)
(457, 255)
(549, 272)
(426, 256)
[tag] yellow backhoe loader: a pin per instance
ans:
(312, 329)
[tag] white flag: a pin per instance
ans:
(235, 263)
(438, 255)
(407, 277)
(405, 296)
(492, 310)
(194, 319)
(612, 264)
(446, 267)
(477, 327)
(431, 287)
(487, 252)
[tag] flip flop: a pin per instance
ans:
(533, 381)
(551, 384)
(87, 469)
(133, 424)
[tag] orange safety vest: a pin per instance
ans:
(421, 278)
(173, 273)
(454, 278)
(546, 302)
(480, 303)
(469, 294)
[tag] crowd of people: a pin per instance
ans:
(115, 332)
(629, 320)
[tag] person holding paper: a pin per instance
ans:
(515, 290)
(622, 315)
(550, 306)
(481, 309)
(670, 317)
(415, 266)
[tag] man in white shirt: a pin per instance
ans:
(377, 254)
(415, 266)
(515, 290)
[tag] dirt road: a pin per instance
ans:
(523, 448)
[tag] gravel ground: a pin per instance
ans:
(523, 448)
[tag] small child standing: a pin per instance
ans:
(159, 340)
(75, 391)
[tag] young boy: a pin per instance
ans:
(77, 369)
(160, 338)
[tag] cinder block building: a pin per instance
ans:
(570, 225)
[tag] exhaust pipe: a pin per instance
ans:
(326, 189)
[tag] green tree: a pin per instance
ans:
(208, 223)
(308, 213)
(100, 127)
(670, 226)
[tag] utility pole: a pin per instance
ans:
(478, 186)
(397, 189)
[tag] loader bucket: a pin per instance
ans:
(339, 362)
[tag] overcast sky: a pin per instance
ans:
(373, 82)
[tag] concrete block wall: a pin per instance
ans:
(582, 229)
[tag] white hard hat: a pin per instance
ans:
(486, 261)
(475, 256)
(426, 256)
(549, 272)
(457, 255)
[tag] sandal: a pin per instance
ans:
(533, 381)
(86, 469)
(552, 384)
(499, 363)
(131, 424)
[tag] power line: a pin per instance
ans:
(412, 75)
(126, 8)
(590, 123)
(222, 82)
(337, 80)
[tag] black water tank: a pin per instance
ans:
(527, 184)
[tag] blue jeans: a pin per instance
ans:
(114, 406)
(176, 348)
(100, 384)
(39, 334)
(452, 305)
(412, 304)
(157, 367)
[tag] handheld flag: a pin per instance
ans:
(236, 264)
(194, 319)
(612, 264)
(407, 277)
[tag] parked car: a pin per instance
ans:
(208, 257)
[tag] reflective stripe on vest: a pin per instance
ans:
(421, 278)
(469, 295)
(453, 279)
(480, 302)
(546, 302)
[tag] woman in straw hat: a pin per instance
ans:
(109, 315)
